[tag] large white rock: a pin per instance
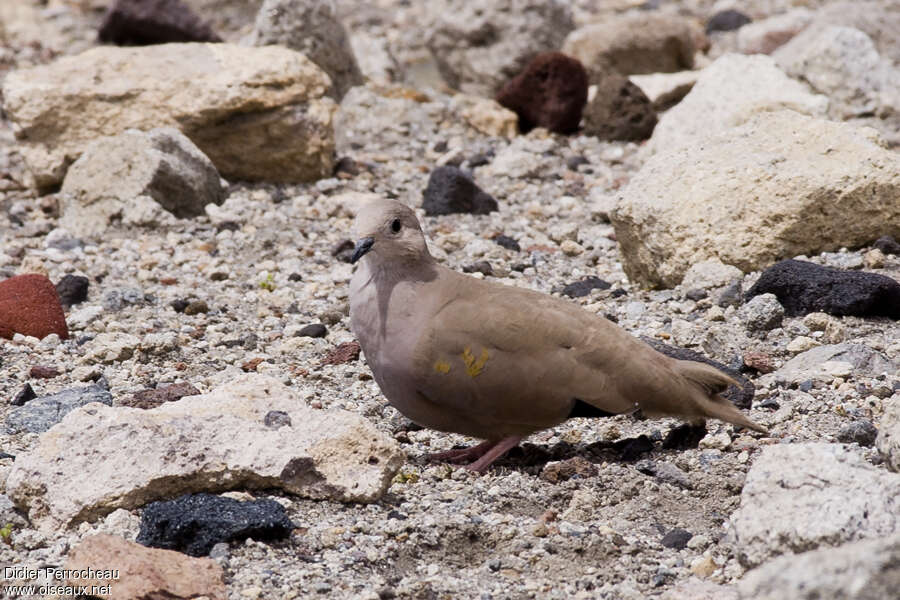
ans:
(479, 46)
(888, 440)
(767, 35)
(798, 497)
(729, 92)
(101, 458)
(864, 570)
(257, 113)
(140, 178)
(780, 185)
(843, 64)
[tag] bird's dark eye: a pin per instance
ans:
(395, 225)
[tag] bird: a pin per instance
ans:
(496, 362)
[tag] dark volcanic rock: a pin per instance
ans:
(482, 266)
(741, 396)
(508, 243)
(194, 523)
(30, 305)
(584, 286)
(23, 395)
(727, 20)
(40, 414)
(887, 244)
(684, 437)
(861, 431)
(313, 330)
(631, 449)
(619, 111)
(451, 191)
(156, 397)
(550, 92)
(72, 289)
(677, 539)
(145, 22)
(804, 287)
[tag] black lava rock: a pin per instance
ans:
(314, 330)
(804, 287)
(684, 437)
(482, 266)
(584, 286)
(451, 191)
(72, 289)
(727, 20)
(277, 419)
(194, 523)
(508, 243)
(631, 449)
(741, 396)
(677, 539)
(573, 162)
(887, 244)
(23, 395)
(862, 432)
(145, 22)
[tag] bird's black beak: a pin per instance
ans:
(362, 246)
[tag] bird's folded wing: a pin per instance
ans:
(508, 355)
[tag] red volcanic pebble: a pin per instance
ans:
(30, 305)
(551, 92)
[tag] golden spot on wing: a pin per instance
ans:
(442, 366)
(474, 366)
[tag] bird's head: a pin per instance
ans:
(388, 231)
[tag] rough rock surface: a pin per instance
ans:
(780, 185)
(144, 573)
(143, 22)
(486, 115)
(798, 497)
(257, 113)
(619, 111)
(72, 290)
(729, 92)
(550, 93)
(29, 305)
(311, 28)
(135, 178)
(767, 35)
(43, 412)
(479, 47)
(155, 397)
(888, 440)
(864, 570)
(843, 64)
(804, 287)
(213, 442)
(633, 44)
(193, 524)
(831, 360)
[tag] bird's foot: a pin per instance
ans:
(461, 455)
(497, 450)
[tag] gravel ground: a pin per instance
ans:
(264, 265)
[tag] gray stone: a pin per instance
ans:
(824, 363)
(479, 46)
(310, 27)
(861, 431)
(888, 440)
(864, 570)
(761, 313)
(127, 457)
(44, 412)
(137, 178)
(709, 274)
(798, 497)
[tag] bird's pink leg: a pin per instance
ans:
(496, 451)
(462, 454)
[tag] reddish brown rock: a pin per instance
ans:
(155, 397)
(566, 469)
(43, 372)
(144, 22)
(143, 573)
(342, 353)
(30, 305)
(760, 361)
(550, 92)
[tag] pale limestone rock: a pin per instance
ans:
(780, 185)
(798, 497)
(767, 35)
(888, 440)
(486, 115)
(257, 113)
(729, 92)
(218, 441)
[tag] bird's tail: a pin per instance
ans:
(713, 382)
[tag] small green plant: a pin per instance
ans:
(268, 283)
(6, 533)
